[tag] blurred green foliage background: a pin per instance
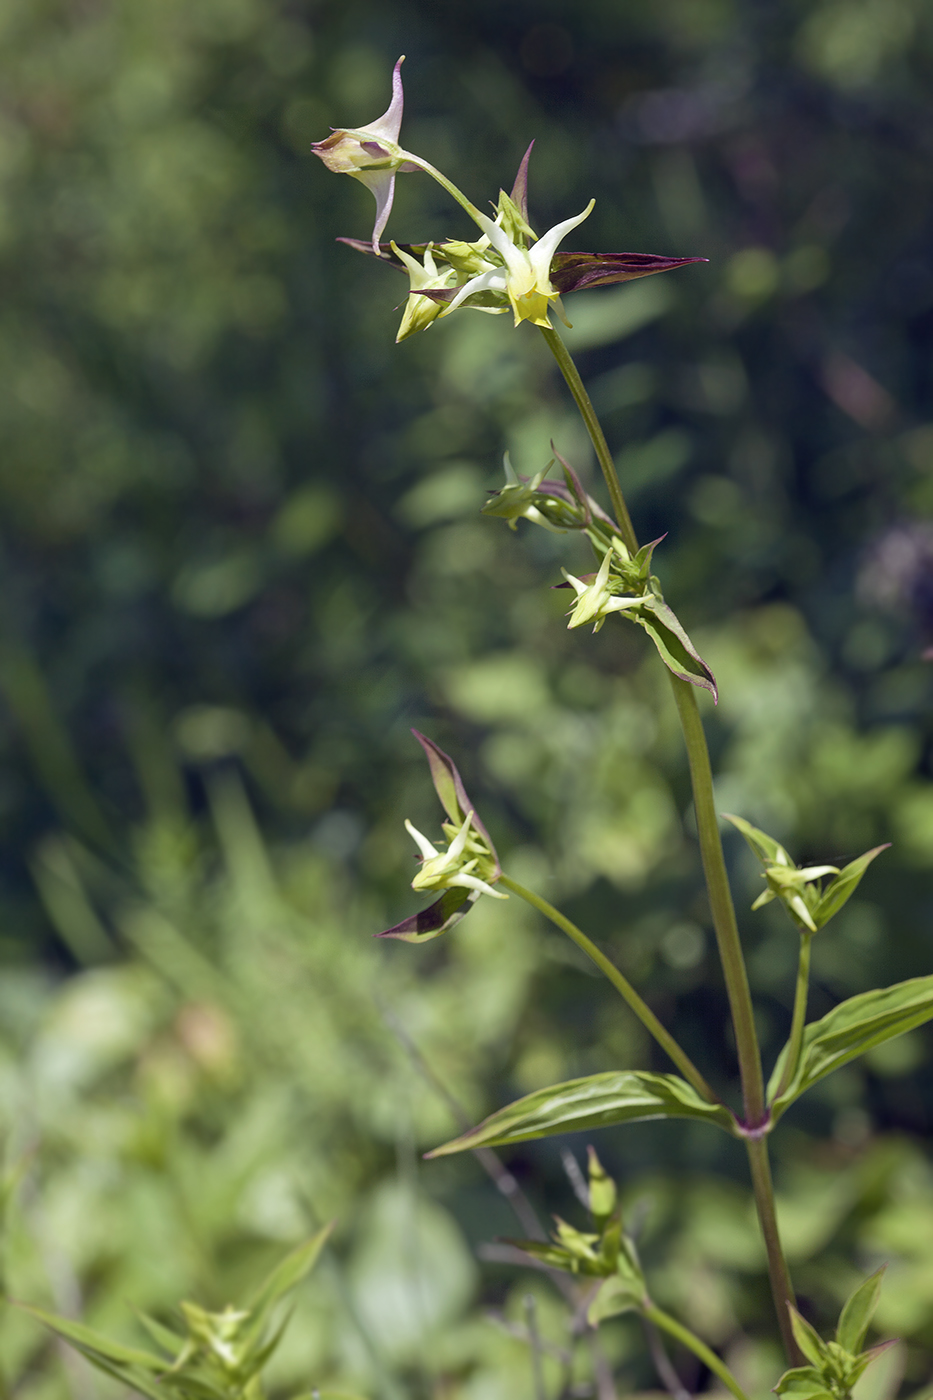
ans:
(241, 555)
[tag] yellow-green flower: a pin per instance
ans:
(596, 597)
(455, 867)
(524, 273)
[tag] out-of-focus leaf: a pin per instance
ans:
(597, 1101)
(163, 1336)
(127, 1364)
(807, 1338)
(286, 1275)
(617, 1295)
(858, 1311)
(856, 1025)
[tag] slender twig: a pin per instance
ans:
(800, 1013)
(530, 1304)
(625, 989)
(663, 1364)
(605, 1385)
(598, 438)
(443, 181)
(683, 1334)
(501, 1177)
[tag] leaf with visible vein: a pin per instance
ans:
(851, 1028)
(674, 646)
(597, 1101)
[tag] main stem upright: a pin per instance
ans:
(717, 883)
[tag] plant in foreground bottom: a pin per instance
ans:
(216, 1355)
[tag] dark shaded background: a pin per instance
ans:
(241, 555)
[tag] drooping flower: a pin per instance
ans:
(468, 868)
(371, 154)
(510, 268)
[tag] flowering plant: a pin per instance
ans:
(509, 269)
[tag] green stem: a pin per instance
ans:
(720, 899)
(800, 1013)
(446, 184)
(782, 1290)
(707, 1356)
(721, 907)
(625, 989)
(587, 412)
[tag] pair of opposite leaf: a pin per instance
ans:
(509, 268)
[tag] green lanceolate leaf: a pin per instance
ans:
(134, 1368)
(840, 890)
(850, 1029)
(807, 1338)
(768, 850)
(674, 646)
(597, 1101)
(287, 1275)
(858, 1312)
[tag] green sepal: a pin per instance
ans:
(163, 1336)
(849, 1030)
(513, 221)
(675, 648)
(596, 1101)
(134, 1368)
(857, 1313)
(616, 1296)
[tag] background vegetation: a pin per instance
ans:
(241, 555)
